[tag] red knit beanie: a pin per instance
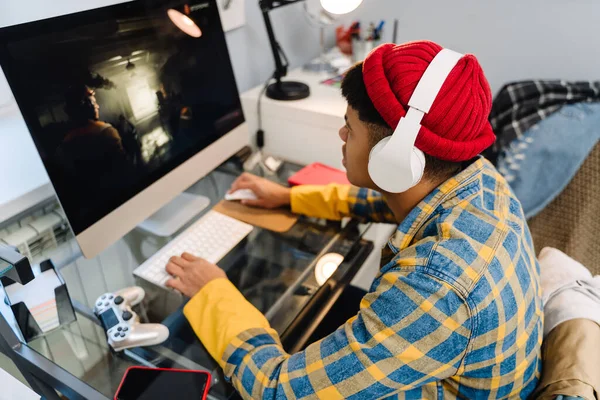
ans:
(457, 126)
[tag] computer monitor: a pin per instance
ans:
(126, 109)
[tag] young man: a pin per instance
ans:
(455, 310)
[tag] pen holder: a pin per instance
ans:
(362, 48)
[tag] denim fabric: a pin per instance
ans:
(542, 162)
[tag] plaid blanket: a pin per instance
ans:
(520, 105)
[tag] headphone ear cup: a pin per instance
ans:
(400, 174)
(417, 163)
(378, 148)
(378, 162)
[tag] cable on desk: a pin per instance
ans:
(260, 134)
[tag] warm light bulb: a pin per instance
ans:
(184, 23)
(329, 269)
(326, 267)
(340, 6)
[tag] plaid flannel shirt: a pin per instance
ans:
(457, 311)
(520, 105)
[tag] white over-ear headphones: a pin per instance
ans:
(395, 164)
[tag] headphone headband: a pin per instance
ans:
(433, 79)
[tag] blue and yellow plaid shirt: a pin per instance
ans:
(455, 312)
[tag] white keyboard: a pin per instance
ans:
(211, 237)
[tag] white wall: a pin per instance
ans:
(513, 39)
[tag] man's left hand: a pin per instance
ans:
(191, 274)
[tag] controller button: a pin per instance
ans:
(123, 335)
(106, 304)
(99, 304)
(103, 297)
(127, 315)
(116, 334)
(119, 329)
(125, 329)
(119, 300)
(111, 297)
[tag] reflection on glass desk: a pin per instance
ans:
(274, 271)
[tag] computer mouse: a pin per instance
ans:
(242, 194)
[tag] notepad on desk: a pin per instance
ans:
(318, 174)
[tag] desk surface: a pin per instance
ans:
(324, 99)
(303, 131)
(274, 271)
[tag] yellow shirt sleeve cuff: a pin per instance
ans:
(219, 313)
(329, 202)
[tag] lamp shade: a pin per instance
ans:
(340, 6)
(184, 23)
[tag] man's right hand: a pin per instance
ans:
(270, 195)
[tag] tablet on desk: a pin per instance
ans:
(140, 383)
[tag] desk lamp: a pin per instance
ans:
(290, 90)
(279, 90)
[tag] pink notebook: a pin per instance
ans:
(318, 174)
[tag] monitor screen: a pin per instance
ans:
(116, 98)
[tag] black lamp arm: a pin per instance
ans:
(281, 65)
(273, 4)
(280, 90)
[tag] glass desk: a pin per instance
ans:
(275, 272)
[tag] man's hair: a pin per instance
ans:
(355, 92)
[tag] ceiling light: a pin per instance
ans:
(184, 23)
(340, 6)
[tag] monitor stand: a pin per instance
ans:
(172, 217)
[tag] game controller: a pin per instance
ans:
(122, 324)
